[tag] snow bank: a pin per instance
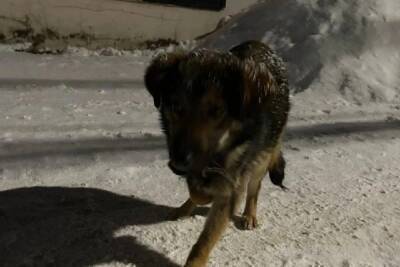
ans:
(346, 46)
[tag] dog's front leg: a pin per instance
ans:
(183, 211)
(196, 198)
(217, 221)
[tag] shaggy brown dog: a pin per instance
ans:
(223, 115)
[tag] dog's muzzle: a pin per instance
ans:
(178, 168)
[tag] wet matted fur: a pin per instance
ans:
(223, 115)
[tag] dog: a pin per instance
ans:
(223, 115)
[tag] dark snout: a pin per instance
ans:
(180, 164)
(185, 158)
(179, 168)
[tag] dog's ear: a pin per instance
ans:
(161, 74)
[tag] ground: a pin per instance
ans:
(84, 181)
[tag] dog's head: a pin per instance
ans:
(203, 98)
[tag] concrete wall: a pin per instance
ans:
(111, 19)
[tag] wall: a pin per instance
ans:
(111, 19)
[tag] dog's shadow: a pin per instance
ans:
(60, 226)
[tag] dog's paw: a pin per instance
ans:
(249, 222)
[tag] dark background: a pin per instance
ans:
(199, 4)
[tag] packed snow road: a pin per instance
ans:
(84, 182)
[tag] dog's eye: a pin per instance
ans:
(216, 112)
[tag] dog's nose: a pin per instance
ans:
(180, 167)
(177, 167)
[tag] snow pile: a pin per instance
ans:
(339, 45)
(9, 48)
(111, 51)
(106, 51)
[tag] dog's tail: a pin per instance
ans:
(277, 170)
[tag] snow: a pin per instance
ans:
(83, 174)
(344, 40)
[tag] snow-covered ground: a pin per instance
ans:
(83, 176)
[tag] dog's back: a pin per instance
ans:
(269, 89)
(261, 53)
(277, 104)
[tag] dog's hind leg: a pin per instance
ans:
(250, 210)
(255, 173)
